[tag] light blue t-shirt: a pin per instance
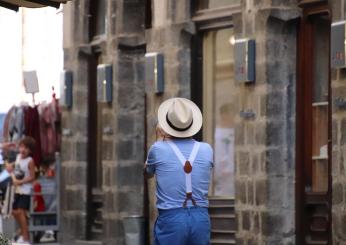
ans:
(170, 176)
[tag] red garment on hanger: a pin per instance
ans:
(32, 129)
(39, 205)
(50, 130)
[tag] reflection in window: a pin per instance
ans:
(320, 106)
(98, 16)
(219, 107)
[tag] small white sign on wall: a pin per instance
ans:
(30, 82)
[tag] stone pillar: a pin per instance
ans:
(74, 124)
(123, 172)
(265, 145)
(338, 79)
(122, 121)
(170, 35)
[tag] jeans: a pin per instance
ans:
(182, 226)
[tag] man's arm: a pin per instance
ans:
(147, 173)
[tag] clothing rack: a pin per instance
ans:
(38, 220)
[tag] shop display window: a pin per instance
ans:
(219, 107)
(320, 107)
(212, 4)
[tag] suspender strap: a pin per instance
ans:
(187, 165)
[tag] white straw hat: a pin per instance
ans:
(180, 117)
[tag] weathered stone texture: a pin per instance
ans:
(120, 124)
(265, 145)
(338, 159)
(270, 180)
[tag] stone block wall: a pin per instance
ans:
(74, 124)
(338, 158)
(121, 122)
(338, 91)
(170, 36)
(265, 146)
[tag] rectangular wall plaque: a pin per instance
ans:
(338, 42)
(245, 60)
(104, 83)
(66, 88)
(154, 72)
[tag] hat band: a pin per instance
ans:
(176, 128)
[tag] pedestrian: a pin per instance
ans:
(22, 178)
(182, 167)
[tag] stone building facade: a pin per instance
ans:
(338, 144)
(280, 185)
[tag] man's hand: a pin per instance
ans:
(8, 145)
(145, 172)
(9, 167)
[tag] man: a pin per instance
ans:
(182, 167)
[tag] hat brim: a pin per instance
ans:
(196, 115)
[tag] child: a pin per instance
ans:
(21, 204)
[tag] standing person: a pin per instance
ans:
(182, 167)
(23, 177)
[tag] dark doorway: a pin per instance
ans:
(313, 168)
(212, 83)
(94, 188)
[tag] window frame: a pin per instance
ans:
(304, 100)
(206, 20)
(93, 24)
(217, 18)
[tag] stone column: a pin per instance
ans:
(265, 145)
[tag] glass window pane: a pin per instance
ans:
(221, 3)
(101, 17)
(209, 4)
(320, 105)
(219, 108)
(321, 62)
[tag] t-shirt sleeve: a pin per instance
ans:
(151, 160)
(210, 154)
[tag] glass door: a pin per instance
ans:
(219, 107)
(313, 176)
(320, 105)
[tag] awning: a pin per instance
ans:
(15, 4)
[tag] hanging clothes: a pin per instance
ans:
(6, 126)
(49, 130)
(16, 124)
(57, 120)
(6, 134)
(32, 129)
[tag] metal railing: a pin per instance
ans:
(50, 218)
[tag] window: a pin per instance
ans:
(148, 14)
(320, 104)
(313, 130)
(211, 4)
(219, 107)
(98, 18)
(214, 14)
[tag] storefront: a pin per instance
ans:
(278, 141)
(314, 132)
